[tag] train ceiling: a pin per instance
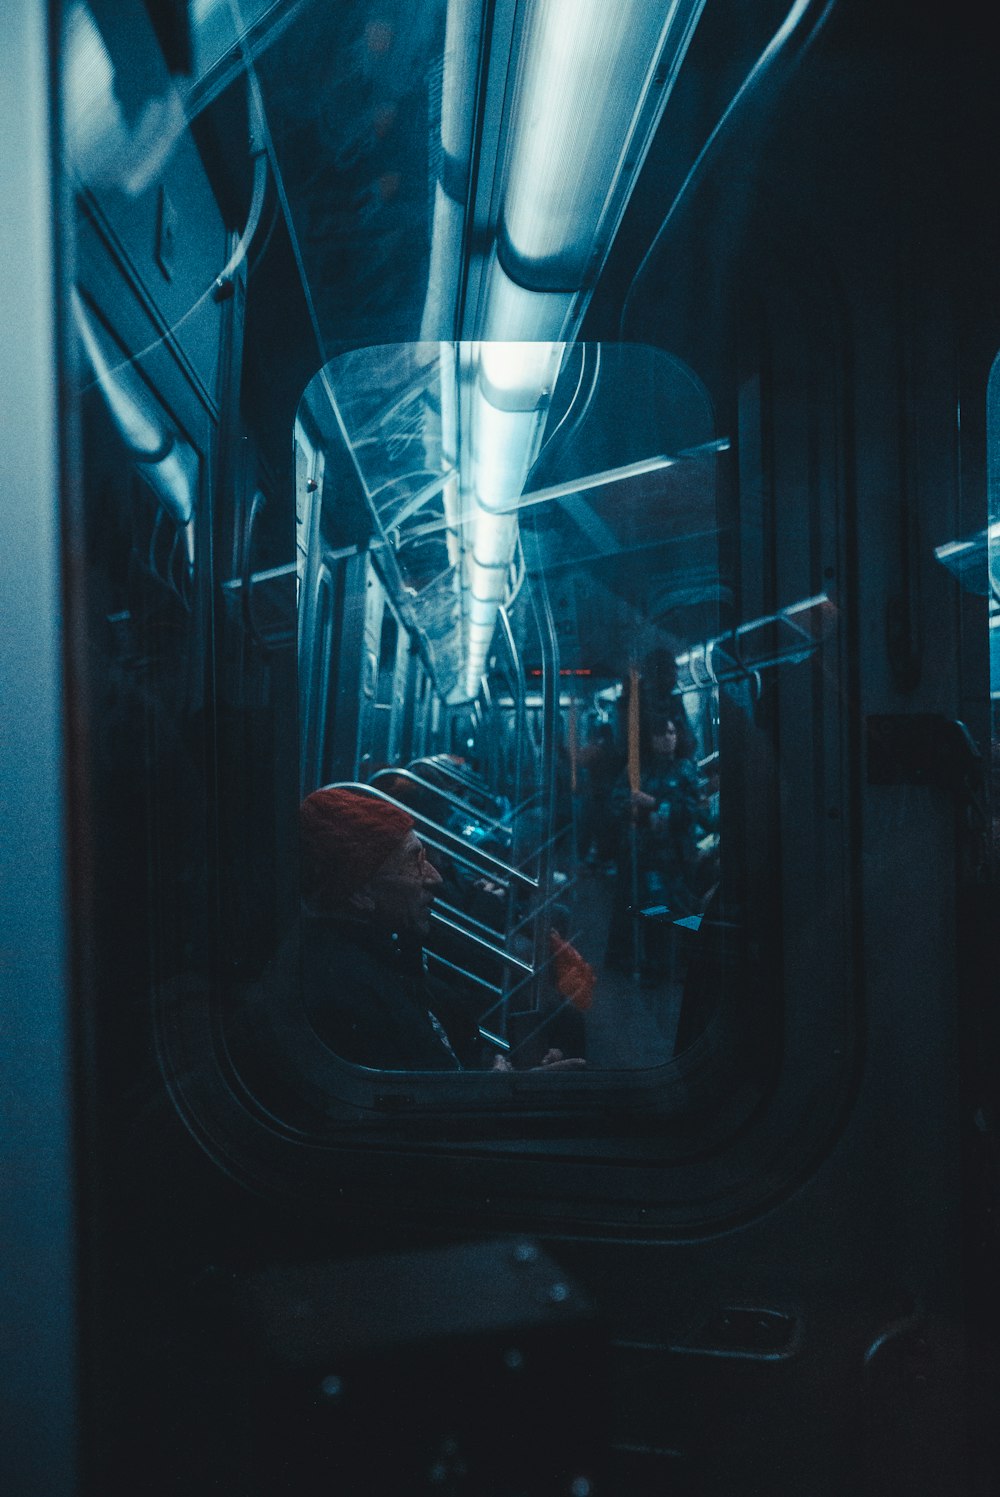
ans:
(439, 179)
(465, 171)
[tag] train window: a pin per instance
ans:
(482, 643)
(527, 866)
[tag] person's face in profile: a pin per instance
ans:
(665, 741)
(399, 896)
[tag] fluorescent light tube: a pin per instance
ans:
(513, 311)
(586, 69)
(503, 446)
(493, 539)
(518, 376)
(482, 611)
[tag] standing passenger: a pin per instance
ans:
(665, 812)
(602, 763)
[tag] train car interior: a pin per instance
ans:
(501, 555)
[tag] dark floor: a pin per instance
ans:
(629, 1026)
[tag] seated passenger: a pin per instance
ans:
(367, 890)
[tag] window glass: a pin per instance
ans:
(485, 595)
(546, 525)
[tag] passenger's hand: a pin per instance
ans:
(552, 1060)
(555, 1060)
(560, 1063)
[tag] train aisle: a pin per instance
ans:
(629, 1026)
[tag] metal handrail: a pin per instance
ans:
(453, 800)
(454, 774)
(506, 821)
(489, 931)
(497, 951)
(490, 1035)
(480, 982)
(466, 789)
(453, 846)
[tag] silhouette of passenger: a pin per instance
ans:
(602, 762)
(658, 853)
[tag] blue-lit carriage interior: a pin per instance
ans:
(574, 424)
(501, 530)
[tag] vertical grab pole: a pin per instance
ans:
(634, 785)
(573, 748)
(517, 693)
(574, 777)
(550, 726)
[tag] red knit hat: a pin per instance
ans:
(346, 836)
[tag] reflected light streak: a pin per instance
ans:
(504, 445)
(104, 149)
(518, 375)
(567, 157)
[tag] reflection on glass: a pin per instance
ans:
(784, 638)
(992, 570)
(972, 561)
(564, 162)
(544, 542)
(108, 143)
(544, 655)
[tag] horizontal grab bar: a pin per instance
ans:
(454, 800)
(497, 951)
(453, 846)
(494, 1039)
(455, 775)
(481, 982)
(489, 931)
